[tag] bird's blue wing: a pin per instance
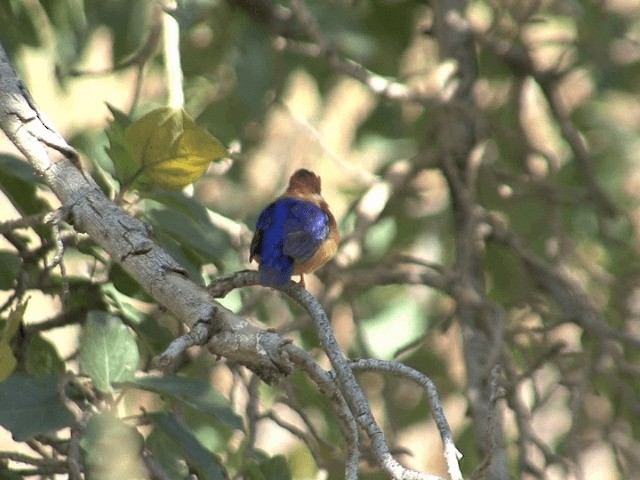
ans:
(307, 226)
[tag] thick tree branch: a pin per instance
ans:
(126, 239)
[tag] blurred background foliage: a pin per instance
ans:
(552, 75)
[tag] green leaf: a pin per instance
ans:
(111, 448)
(31, 406)
(18, 182)
(125, 283)
(276, 468)
(195, 393)
(43, 358)
(179, 202)
(9, 269)
(164, 452)
(266, 468)
(171, 149)
(207, 243)
(206, 464)
(108, 351)
(146, 325)
(125, 168)
(8, 361)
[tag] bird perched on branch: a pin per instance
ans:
(296, 234)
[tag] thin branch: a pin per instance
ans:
(293, 25)
(451, 453)
(354, 397)
(352, 392)
(304, 437)
(327, 385)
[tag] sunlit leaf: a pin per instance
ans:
(13, 322)
(111, 448)
(108, 351)
(171, 149)
(8, 361)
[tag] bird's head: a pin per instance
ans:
(304, 181)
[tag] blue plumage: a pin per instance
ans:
(287, 231)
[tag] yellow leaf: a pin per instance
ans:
(7, 361)
(171, 150)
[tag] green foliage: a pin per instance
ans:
(32, 406)
(274, 468)
(43, 358)
(8, 360)
(205, 463)
(154, 336)
(123, 167)
(194, 393)
(9, 269)
(111, 448)
(108, 351)
(19, 184)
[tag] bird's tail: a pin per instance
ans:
(276, 275)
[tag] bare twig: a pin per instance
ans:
(451, 453)
(353, 394)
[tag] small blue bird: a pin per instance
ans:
(296, 234)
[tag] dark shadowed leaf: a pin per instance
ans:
(154, 335)
(43, 358)
(18, 182)
(195, 393)
(9, 269)
(201, 238)
(206, 464)
(31, 406)
(164, 452)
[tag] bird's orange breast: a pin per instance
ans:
(325, 251)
